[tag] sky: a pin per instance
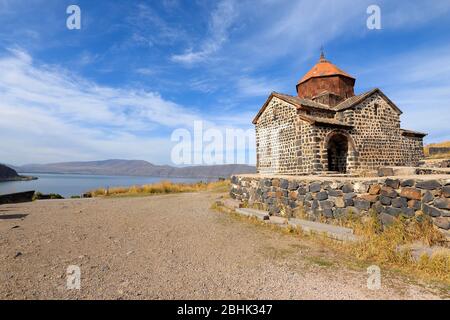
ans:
(137, 70)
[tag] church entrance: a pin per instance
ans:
(337, 153)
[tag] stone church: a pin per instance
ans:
(327, 128)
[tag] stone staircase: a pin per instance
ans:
(331, 231)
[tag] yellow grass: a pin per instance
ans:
(426, 150)
(163, 187)
(389, 247)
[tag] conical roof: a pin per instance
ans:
(324, 68)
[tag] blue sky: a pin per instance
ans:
(137, 70)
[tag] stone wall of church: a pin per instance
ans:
(276, 138)
(289, 145)
(378, 137)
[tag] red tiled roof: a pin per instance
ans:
(324, 68)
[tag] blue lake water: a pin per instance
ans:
(76, 184)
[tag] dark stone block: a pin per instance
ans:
(431, 211)
(234, 180)
(323, 195)
(348, 202)
(328, 213)
(399, 203)
(442, 203)
(267, 182)
(443, 223)
(414, 204)
(408, 183)
(308, 197)
(446, 191)
(315, 205)
(428, 185)
(326, 204)
(347, 188)
(284, 184)
(393, 183)
(386, 219)
(301, 191)
(393, 211)
(409, 212)
(388, 192)
(335, 193)
(427, 197)
(293, 185)
(349, 196)
(361, 204)
(315, 187)
(385, 200)
(378, 207)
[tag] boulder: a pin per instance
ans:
(446, 191)
(315, 187)
(427, 197)
(442, 203)
(348, 188)
(385, 200)
(431, 211)
(415, 204)
(360, 187)
(393, 183)
(399, 202)
(326, 204)
(443, 223)
(369, 197)
(361, 204)
(388, 192)
(408, 183)
(374, 189)
(323, 195)
(428, 184)
(411, 193)
(386, 219)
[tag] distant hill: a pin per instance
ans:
(6, 173)
(137, 168)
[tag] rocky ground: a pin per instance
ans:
(170, 247)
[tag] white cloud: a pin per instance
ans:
(221, 19)
(49, 114)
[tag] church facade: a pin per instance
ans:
(327, 128)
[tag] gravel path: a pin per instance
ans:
(169, 247)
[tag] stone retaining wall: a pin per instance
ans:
(334, 198)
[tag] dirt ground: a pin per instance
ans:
(170, 247)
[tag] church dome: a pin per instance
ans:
(326, 77)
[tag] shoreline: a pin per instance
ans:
(19, 178)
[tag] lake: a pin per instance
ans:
(76, 184)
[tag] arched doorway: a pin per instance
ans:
(337, 152)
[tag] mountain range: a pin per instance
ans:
(136, 168)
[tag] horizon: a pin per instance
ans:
(134, 73)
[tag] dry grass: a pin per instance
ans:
(385, 246)
(390, 246)
(426, 150)
(163, 187)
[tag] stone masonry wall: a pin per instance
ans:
(288, 145)
(282, 143)
(332, 199)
